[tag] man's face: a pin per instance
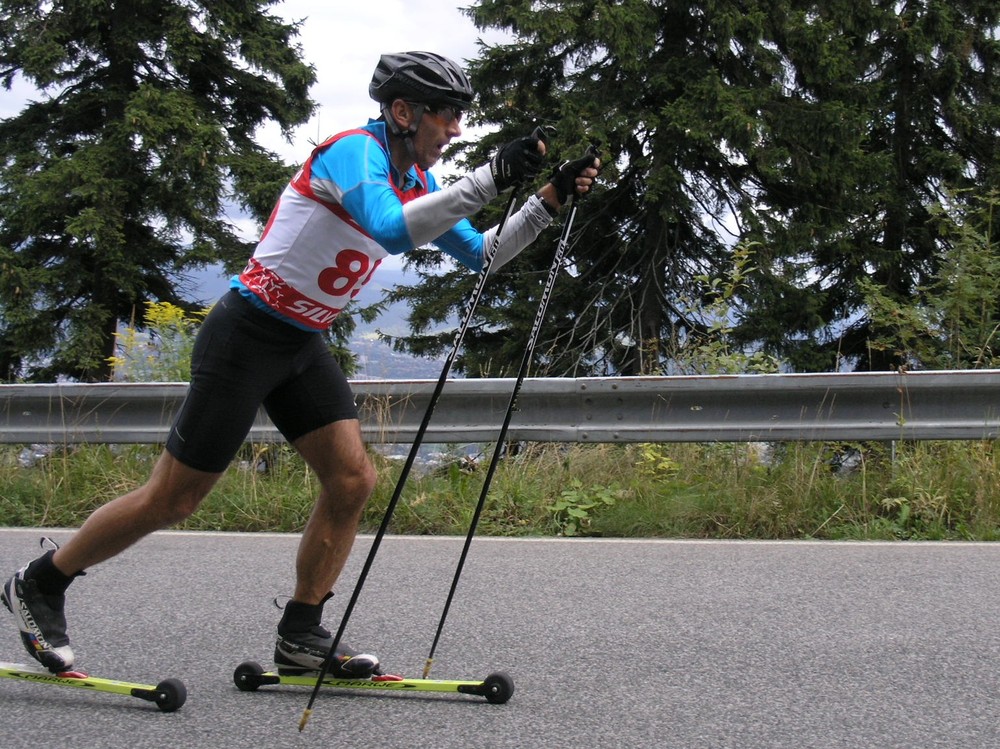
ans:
(437, 127)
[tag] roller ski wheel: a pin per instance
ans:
(169, 695)
(496, 688)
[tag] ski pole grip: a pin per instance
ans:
(594, 150)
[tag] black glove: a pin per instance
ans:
(564, 176)
(518, 161)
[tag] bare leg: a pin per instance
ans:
(337, 454)
(172, 493)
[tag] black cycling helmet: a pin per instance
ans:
(422, 77)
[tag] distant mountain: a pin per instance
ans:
(377, 360)
(393, 320)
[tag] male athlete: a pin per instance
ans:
(360, 196)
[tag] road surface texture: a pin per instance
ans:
(610, 644)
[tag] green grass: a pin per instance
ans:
(924, 490)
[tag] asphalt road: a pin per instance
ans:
(610, 644)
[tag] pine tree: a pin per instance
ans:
(672, 94)
(822, 133)
(893, 112)
(116, 180)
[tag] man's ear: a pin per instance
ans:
(402, 113)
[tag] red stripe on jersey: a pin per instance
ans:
(281, 297)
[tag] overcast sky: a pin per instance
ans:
(343, 40)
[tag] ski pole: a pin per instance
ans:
(414, 448)
(536, 326)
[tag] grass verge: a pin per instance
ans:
(924, 490)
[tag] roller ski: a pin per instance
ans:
(169, 695)
(42, 628)
(300, 657)
(250, 676)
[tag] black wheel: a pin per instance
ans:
(170, 695)
(498, 688)
(247, 676)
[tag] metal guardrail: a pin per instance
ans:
(739, 408)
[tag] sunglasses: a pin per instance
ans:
(444, 112)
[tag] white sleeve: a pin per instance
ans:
(431, 215)
(520, 230)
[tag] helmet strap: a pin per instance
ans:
(408, 133)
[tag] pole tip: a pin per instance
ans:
(305, 719)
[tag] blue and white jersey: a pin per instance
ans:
(342, 214)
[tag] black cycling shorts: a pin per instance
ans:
(244, 358)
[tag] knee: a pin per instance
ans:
(173, 508)
(165, 503)
(351, 486)
(362, 481)
(184, 506)
(174, 491)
